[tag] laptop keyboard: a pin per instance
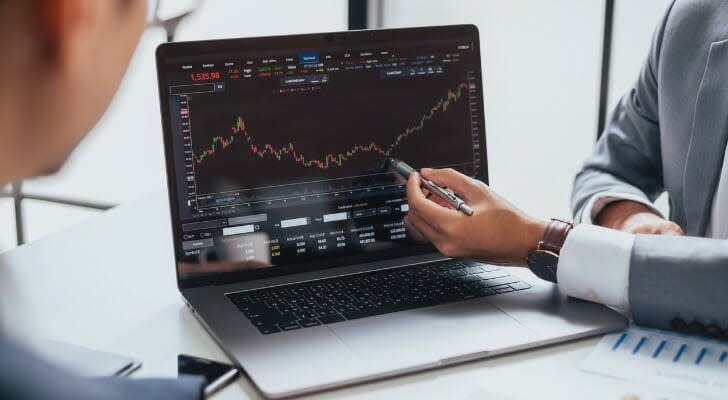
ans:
(327, 301)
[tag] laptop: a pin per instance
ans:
(288, 236)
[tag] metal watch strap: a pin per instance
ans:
(555, 235)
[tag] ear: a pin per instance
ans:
(63, 28)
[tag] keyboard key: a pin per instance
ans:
(492, 274)
(500, 281)
(474, 269)
(240, 300)
(486, 292)
(457, 272)
(331, 318)
(520, 285)
(356, 314)
(268, 329)
(344, 308)
(289, 326)
(285, 309)
(503, 289)
(308, 323)
(305, 315)
(469, 295)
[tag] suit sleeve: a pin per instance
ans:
(679, 278)
(25, 376)
(627, 157)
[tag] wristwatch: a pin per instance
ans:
(544, 261)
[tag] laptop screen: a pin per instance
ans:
(275, 146)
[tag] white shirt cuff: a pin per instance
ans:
(596, 204)
(594, 265)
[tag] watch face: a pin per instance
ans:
(543, 264)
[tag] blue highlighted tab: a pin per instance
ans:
(308, 58)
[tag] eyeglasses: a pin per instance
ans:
(168, 15)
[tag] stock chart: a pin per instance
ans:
(331, 138)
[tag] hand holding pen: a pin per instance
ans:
(496, 232)
(450, 198)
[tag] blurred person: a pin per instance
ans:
(62, 62)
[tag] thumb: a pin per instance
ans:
(463, 185)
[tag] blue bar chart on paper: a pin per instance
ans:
(668, 360)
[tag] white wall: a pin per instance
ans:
(220, 19)
(541, 74)
(635, 22)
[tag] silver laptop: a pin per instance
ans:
(287, 225)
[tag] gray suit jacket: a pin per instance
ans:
(669, 133)
(24, 376)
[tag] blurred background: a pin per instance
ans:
(545, 65)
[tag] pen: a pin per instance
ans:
(456, 202)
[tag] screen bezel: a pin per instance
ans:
(178, 50)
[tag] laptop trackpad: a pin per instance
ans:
(431, 334)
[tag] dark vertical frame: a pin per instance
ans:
(606, 65)
(358, 14)
(15, 193)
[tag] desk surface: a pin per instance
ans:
(109, 284)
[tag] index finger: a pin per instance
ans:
(430, 211)
(461, 184)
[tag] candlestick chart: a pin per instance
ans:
(330, 159)
(334, 143)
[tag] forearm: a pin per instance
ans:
(595, 189)
(616, 215)
(635, 217)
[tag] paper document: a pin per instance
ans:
(664, 359)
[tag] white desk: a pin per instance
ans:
(109, 284)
